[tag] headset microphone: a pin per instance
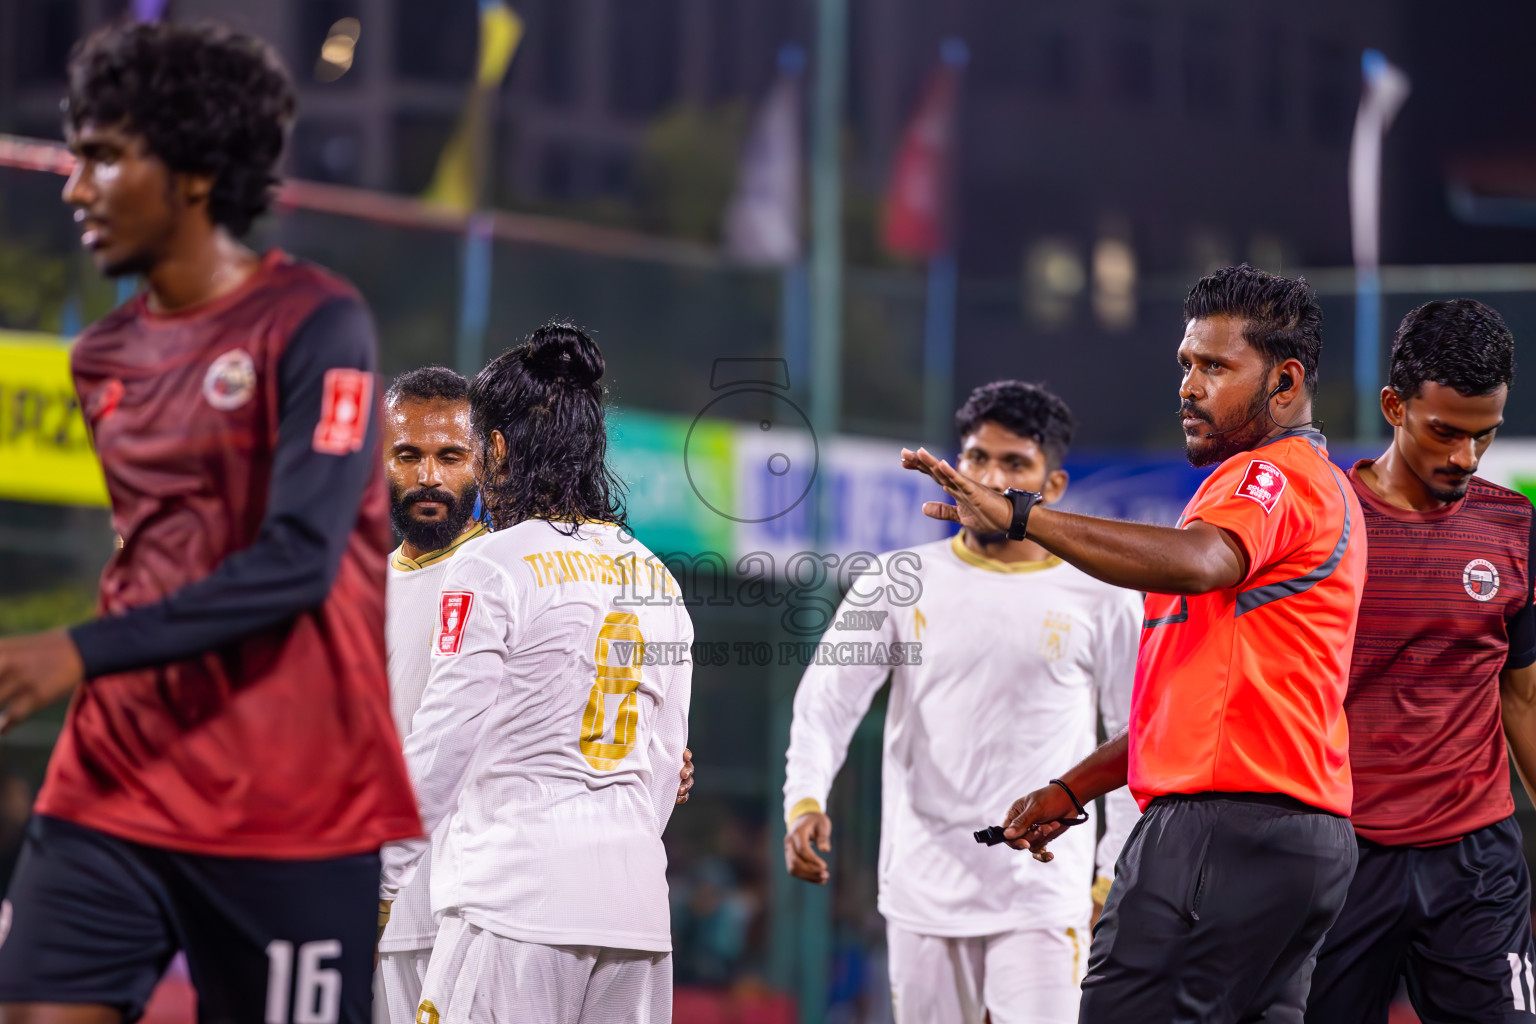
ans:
(1284, 385)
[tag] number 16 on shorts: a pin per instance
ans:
(316, 990)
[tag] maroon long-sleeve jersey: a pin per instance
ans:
(1445, 593)
(237, 702)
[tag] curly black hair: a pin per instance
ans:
(1281, 317)
(1029, 410)
(545, 398)
(205, 99)
(428, 384)
(1460, 343)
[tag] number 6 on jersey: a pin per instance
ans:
(620, 653)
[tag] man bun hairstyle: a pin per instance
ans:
(562, 354)
(1281, 317)
(1029, 410)
(1459, 343)
(428, 384)
(546, 398)
(205, 99)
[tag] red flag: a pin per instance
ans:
(917, 202)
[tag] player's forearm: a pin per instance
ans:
(1517, 697)
(668, 740)
(398, 863)
(829, 704)
(1139, 556)
(1102, 771)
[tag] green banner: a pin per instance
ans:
(646, 451)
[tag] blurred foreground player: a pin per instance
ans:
(1444, 670)
(1237, 747)
(227, 770)
(992, 624)
(429, 456)
(553, 723)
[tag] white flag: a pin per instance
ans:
(1386, 87)
(762, 225)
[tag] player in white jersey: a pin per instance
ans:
(428, 459)
(553, 723)
(1001, 659)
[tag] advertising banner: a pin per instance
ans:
(44, 446)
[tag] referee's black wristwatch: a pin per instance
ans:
(1023, 501)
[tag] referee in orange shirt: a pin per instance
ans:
(1237, 748)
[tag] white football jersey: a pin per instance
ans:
(998, 674)
(552, 730)
(410, 611)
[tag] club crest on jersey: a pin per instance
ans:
(452, 614)
(1480, 579)
(1263, 483)
(230, 381)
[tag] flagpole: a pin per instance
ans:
(474, 293)
(826, 217)
(813, 936)
(1385, 89)
(794, 317)
(943, 297)
(939, 348)
(500, 32)
(475, 263)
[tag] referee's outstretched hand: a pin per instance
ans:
(976, 506)
(35, 671)
(1035, 819)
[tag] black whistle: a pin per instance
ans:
(991, 835)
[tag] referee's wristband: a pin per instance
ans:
(1023, 501)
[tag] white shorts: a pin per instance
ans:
(477, 977)
(1022, 977)
(397, 985)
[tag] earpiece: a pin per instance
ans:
(1285, 383)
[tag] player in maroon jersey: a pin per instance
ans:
(228, 769)
(1444, 673)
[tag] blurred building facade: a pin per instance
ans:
(1201, 132)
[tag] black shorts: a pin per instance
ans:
(90, 918)
(1219, 905)
(1454, 921)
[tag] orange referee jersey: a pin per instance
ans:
(1242, 690)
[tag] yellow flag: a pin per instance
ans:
(453, 184)
(500, 32)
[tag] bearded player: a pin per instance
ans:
(227, 770)
(1442, 689)
(1017, 655)
(553, 723)
(429, 458)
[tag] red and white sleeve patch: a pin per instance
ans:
(452, 615)
(1263, 483)
(344, 409)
